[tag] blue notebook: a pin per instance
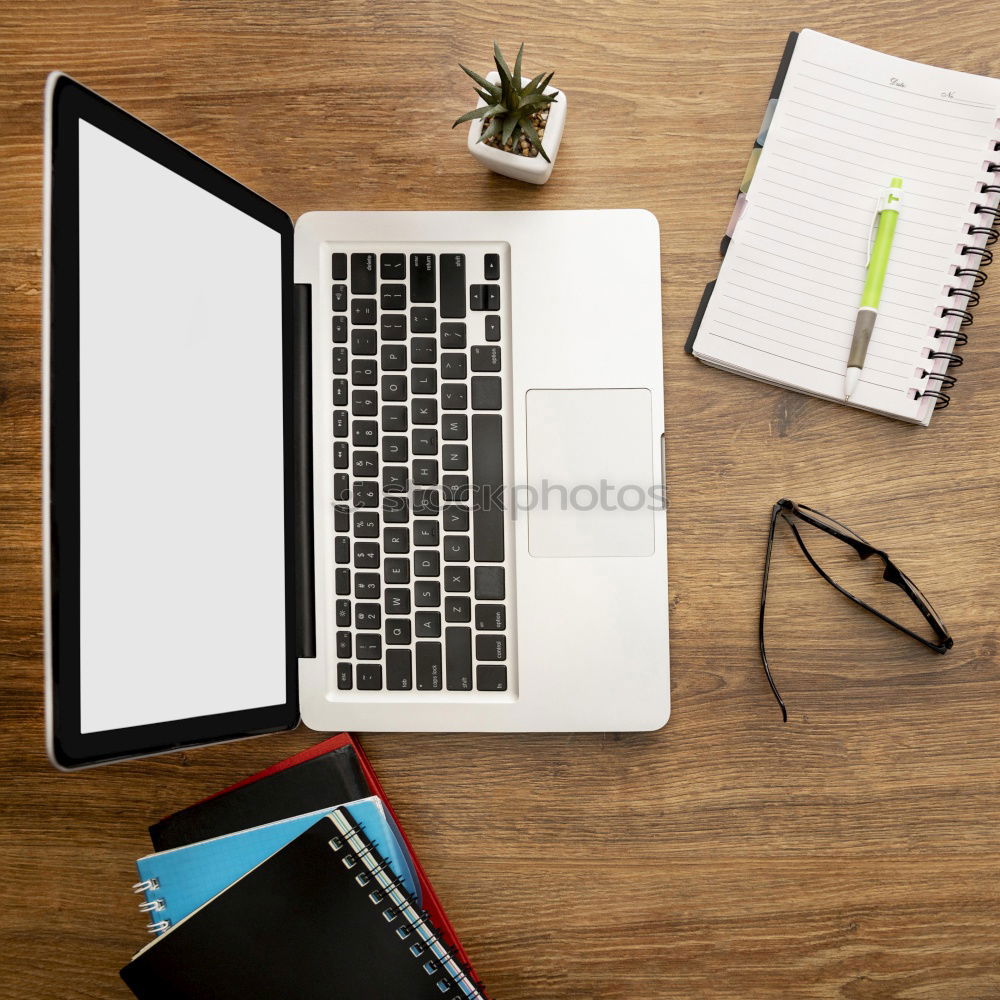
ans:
(177, 882)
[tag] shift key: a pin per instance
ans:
(487, 478)
(453, 285)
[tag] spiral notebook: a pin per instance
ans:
(841, 122)
(323, 917)
(175, 883)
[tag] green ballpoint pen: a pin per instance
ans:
(890, 203)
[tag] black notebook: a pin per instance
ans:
(336, 776)
(322, 918)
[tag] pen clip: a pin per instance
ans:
(888, 198)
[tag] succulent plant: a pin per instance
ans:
(509, 104)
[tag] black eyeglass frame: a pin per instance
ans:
(788, 509)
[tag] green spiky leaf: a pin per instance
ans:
(502, 68)
(508, 128)
(517, 64)
(532, 133)
(490, 88)
(492, 130)
(479, 113)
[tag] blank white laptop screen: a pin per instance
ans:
(182, 551)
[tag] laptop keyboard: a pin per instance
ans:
(420, 354)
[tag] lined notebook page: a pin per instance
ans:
(847, 120)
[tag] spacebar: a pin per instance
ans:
(487, 480)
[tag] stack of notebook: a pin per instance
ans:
(295, 882)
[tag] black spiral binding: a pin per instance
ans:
(453, 976)
(964, 299)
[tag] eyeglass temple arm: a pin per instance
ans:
(775, 511)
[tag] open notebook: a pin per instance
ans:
(842, 121)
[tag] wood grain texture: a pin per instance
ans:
(851, 854)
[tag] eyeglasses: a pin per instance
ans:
(791, 513)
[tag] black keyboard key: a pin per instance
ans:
(394, 357)
(485, 358)
(393, 266)
(397, 632)
(367, 616)
(340, 392)
(492, 298)
(398, 670)
(428, 666)
(341, 486)
(343, 610)
(365, 494)
(395, 449)
(339, 268)
(423, 350)
(369, 647)
(367, 586)
(477, 297)
(453, 365)
(364, 402)
(369, 677)
(456, 518)
(365, 464)
(493, 329)
(342, 581)
(424, 411)
(396, 541)
(342, 550)
(396, 571)
(366, 524)
(458, 658)
(341, 517)
(486, 393)
(457, 580)
(393, 297)
(426, 503)
(364, 433)
(363, 312)
(363, 276)
(340, 329)
(425, 440)
(455, 457)
(452, 336)
(427, 624)
(393, 388)
(364, 371)
(397, 601)
(452, 300)
(396, 509)
(393, 327)
(491, 647)
(339, 297)
(423, 277)
(455, 428)
(340, 361)
(491, 266)
(454, 397)
(395, 479)
(345, 677)
(394, 419)
(343, 644)
(340, 457)
(363, 342)
(456, 488)
(491, 677)
(456, 548)
(424, 381)
(366, 555)
(426, 534)
(457, 609)
(491, 617)
(426, 563)
(427, 594)
(423, 319)
(490, 583)
(425, 472)
(487, 476)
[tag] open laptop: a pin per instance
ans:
(380, 470)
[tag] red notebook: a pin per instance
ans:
(352, 766)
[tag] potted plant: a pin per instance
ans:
(517, 126)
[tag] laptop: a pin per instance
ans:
(380, 471)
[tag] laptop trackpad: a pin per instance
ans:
(590, 469)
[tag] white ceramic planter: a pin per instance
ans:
(533, 169)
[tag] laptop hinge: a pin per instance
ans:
(305, 585)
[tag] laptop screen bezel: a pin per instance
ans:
(68, 103)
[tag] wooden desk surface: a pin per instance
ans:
(850, 854)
